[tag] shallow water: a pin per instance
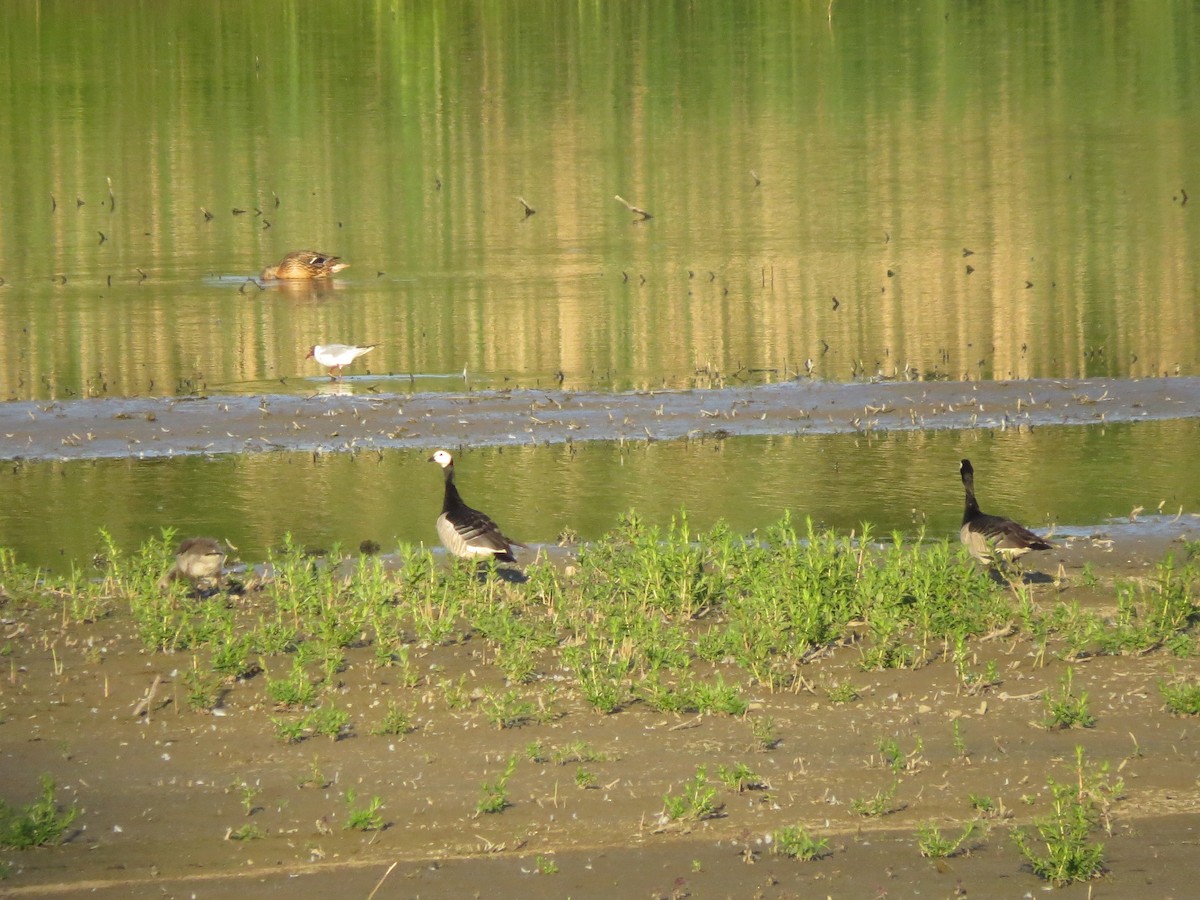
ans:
(1068, 476)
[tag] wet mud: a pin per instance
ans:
(163, 788)
(332, 419)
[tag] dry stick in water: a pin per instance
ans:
(633, 209)
(112, 201)
(529, 210)
(143, 705)
(379, 884)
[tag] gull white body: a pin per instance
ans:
(336, 357)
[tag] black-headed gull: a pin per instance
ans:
(336, 357)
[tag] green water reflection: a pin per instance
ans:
(1070, 476)
(1055, 142)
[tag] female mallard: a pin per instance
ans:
(197, 559)
(304, 264)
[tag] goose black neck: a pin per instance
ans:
(451, 501)
(971, 510)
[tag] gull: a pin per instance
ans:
(336, 357)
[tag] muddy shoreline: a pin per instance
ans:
(160, 792)
(153, 427)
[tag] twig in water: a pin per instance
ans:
(637, 210)
(529, 210)
(143, 705)
(379, 884)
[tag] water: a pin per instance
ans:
(991, 191)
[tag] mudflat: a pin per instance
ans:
(331, 421)
(212, 802)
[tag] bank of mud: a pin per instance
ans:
(331, 422)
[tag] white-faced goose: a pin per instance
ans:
(987, 537)
(467, 532)
(336, 357)
(197, 559)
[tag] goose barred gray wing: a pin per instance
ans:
(470, 534)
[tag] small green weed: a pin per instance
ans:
(982, 804)
(329, 720)
(290, 731)
(363, 818)
(247, 832)
(295, 690)
(1181, 699)
(765, 734)
(793, 842)
(314, 777)
(894, 758)
(960, 742)
(508, 710)
(493, 796)
(739, 777)
(577, 751)
(455, 693)
(1077, 809)
(396, 721)
(248, 793)
(841, 692)
(879, 805)
(696, 802)
(36, 824)
(1067, 710)
(203, 690)
(933, 845)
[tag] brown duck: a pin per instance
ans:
(197, 559)
(300, 265)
